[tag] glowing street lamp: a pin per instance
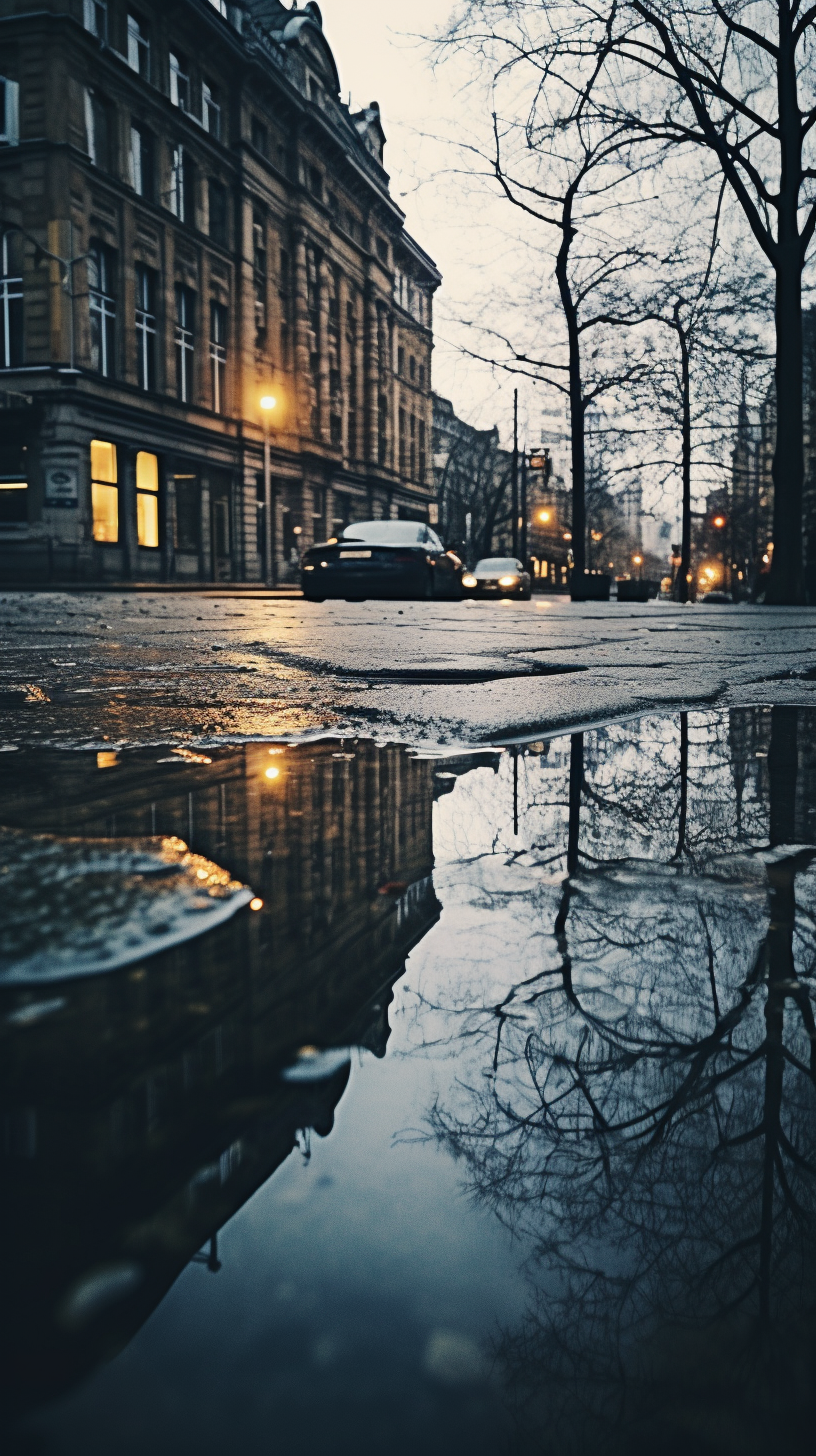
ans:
(544, 517)
(719, 522)
(637, 560)
(268, 403)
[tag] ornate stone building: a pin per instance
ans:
(191, 219)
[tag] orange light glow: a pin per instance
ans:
(544, 516)
(719, 522)
(638, 560)
(568, 535)
(273, 773)
(268, 401)
(256, 903)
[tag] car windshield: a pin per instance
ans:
(498, 563)
(392, 533)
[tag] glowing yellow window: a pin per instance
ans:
(104, 491)
(147, 498)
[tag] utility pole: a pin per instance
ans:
(523, 507)
(268, 403)
(515, 476)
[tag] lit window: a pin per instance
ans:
(147, 499)
(104, 491)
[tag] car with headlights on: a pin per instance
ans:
(497, 576)
(396, 560)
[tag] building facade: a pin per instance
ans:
(192, 220)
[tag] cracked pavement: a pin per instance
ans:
(98, 667)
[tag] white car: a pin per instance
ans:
(497, 576)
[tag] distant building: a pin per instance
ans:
(472, 479)
(191, 218)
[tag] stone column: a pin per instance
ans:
(371, 378)
(168, 522)
(128, 537)
(324, 396)
(302, 349)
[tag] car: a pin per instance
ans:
(724, 598)
(497, 576)
(396, 560)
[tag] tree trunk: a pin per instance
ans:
(576, 399)
(685, 537)
(785, 582)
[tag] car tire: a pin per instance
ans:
(313, 599)
(355, 599)
(525, 595)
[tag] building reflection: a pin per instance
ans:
(140, 1109)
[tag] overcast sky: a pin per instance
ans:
(380, 58)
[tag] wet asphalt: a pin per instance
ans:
(102, 667)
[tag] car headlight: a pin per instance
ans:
(308, 568)
(468, 580)
(508, 581)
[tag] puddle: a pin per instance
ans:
(492, 1126)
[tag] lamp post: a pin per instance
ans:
(268, 403)
(637, 561)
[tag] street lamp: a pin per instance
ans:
(637, 560)
(268, 402)
(544, 517)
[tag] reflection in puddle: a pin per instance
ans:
(611, 1027)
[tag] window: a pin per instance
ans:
(179, 81)
(413, 423)
(218, 355)
(422, 376)
(141, 162)
(260, 137)
(145, 326)
(259, 264)
(95, 18)
(382, 250)
(316, 183)
(210, 110)
(400, 361)
(412, 368)
(220, 6)
(147, 499)
(9, 112)
(188, 512)
(218, 212)
(402, 442)
(102, 308)
(104, 491)
(138, 47)
(97, 129)
(182, 185)
(11, 302)
(185, 342)
(423, 456)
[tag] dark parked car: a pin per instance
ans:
(400, 560)
(497, 576)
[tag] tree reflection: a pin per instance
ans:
(647, 1124)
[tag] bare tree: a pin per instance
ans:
(735, 81)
